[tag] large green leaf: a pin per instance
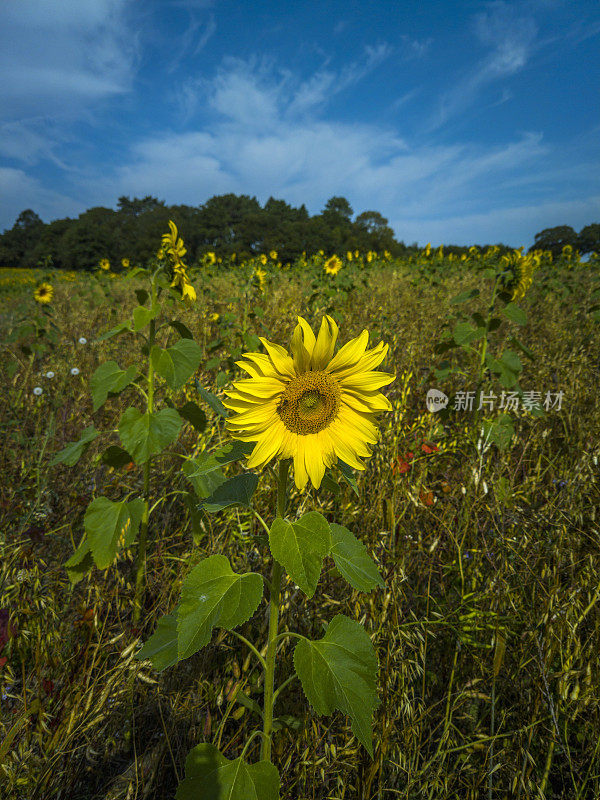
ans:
(464, 332)
(161, 647)
(515, 314)
(110, 525)
(352, 560)
(145, 435)
(211, 776)
(204, 483)
(213, 596)
(120, 328)
(71, 454)
(301, 547)
(178, 363)
(235, 491)
(110, 378)
(142, 316)
(80, 562)
(340, 671)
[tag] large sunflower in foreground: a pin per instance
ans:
(311, 406)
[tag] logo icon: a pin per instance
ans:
(436, 400)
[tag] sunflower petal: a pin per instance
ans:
(280, 358)
(323, 350)
(349, 353)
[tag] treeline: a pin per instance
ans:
(554, 239)
(225, 224)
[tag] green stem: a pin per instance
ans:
(140, 565)
(265, 753)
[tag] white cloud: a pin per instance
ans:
(57, 56)
(510, 38)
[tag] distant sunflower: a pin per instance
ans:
(333, 265)
(311, 406)
(125, 263)
(44, 293)
(105, 264)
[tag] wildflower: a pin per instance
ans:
(50, 374)
(263, 259)
(273, 255)
(333, 265)
(261, 275)
(125, 263)
(38, 391)
(82, 340)
(349, 255)
(215, 317)
(74, 371)
(172, 245)
(311, 406)
(105, 264)
(160, 254)
(356, 253)
(43, 293)
(427, 250)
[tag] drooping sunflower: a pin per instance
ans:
(44, 293)
(311, 406)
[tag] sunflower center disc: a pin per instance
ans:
(309, 403)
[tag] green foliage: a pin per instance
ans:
(352, 560)
(71, 454)
(111, 525)
(340, 671)
(212, 596)
(109, 378)
(178, 363)
(210, 776)
(301, 547)
(145, 435)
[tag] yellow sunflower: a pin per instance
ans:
(44, 293)
(105, 264)
(333, 265)
(125, 262)
(311, 406)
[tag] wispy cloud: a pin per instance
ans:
(194, 40)
(510, 38)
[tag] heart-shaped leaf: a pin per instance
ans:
(178, 363)
(110, 378)
(161, 647)
(211, 776)
(213, 596)
(301, 547)
(340, 671)
(110, 525)
(71, 454)
(352, 560)
(145, 435)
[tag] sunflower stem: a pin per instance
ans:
(140, 564)
(265, 753)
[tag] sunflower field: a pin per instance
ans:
(320, 530)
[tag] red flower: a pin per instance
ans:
(429, 448)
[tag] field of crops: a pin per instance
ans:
(464, 557)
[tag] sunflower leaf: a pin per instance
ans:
(109, 525)
(301, 547)
(211, 776)
(178, 363)
(144, 435)
(80, 562)
(213, 596)
(212, 400)
(340, 671)
(194, 415)
(352, 560)
(235, 491)
(161, 647)
(71, 454)
(348, 476)
(109, 378)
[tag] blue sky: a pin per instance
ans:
(461, 122)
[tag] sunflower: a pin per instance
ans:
(125, 263)
(311, 406)
(43, 293)
(333, 265)
(105, 264)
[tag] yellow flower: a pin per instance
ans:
(356, 253)
(209, 259)
(160, 254)
(215, 317)
(333, 265)
(181, 281)
(263, 259)
(105, 264)
(172, 245)
(44, 293)
(427, 251)
(349, 255)
(311, 406)
(370, 256)
(273, 255)
(125, 262)
(261, 275)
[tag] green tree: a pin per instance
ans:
(589, 239)
(554, 239)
